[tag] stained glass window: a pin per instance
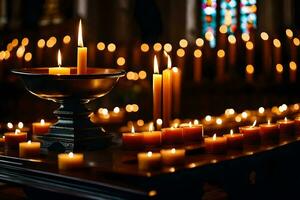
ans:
(248, 15)
(229, 15)
(209, 18)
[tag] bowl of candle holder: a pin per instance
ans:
(73, 130)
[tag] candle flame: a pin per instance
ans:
(156, 69)
(149, 154)
(132, 129)
(29, 142)
(231, 132)
(3, 137)
(173, 150)
(10, 125)
(196, 122)
(42, 121)
(71, 155)
(190, 124)
(169, 60)
(151, 127)
(20, 125)
(159, 121)
(254, 123)
(285, 119)
(214, 136)
(80, 40)
(269, 121)
(59, 60)
(17, 131)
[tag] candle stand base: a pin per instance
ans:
(74, 131)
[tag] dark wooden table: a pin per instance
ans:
(266, 171)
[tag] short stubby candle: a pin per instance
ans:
(149, 160)
(59, 70)
(286, 128)
(172, 157)
(215, 145)
(234, 140)
(70, 161)
(29, 149)
(269, 133)
(40, 128)
(251, 134)
(297, 125)
(12, 139)
(192, 133)
(2, 140)
(133, 140)
(171, 136)
(152, 138)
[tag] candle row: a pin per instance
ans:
(185, 134)
(268, 133)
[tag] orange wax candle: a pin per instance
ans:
(176, 90)
(81, 53)
(215, 144)
(251, 134)
(12, 139)
(167, 93)
(297, 125)
(29, 149)
(172, 136)
(59, 70)
(157, 81)
(2, 140)
(192, 133)
(40, 128)
(152, 138)
(133, 140)
(234, 140)
(149, 160)
(286, 127)
(172, 156)
(269, 132)
(70, 161)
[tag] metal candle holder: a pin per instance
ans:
(73, 131)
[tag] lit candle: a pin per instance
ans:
(277, 51)
(279, 73)
(29, 149)
(297, 125)
(249, 73)
(249, 52)
(234, 140)
(157, 81)
(197, 66)
(232, 50)
(70, 161)
(286, 128)
(267, 57)
(149, 160)
(133, 140)
(220, 65)
(81, 53)
(215, 144)
(152, 138)
(59, 70)
(2, 140)
(293, 71)
(251, 134)
(167, 93)
(40, 128)
(12, 139)
(172, 156)
(269, 133)
(171, 136)
(176, 90)
(192, 133)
